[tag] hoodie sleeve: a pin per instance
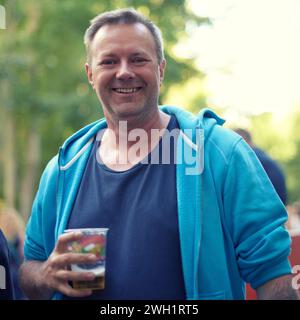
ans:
(39, 237)
(255, 217)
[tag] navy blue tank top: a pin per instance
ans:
(139, 206)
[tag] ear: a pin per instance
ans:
(89, 74)
(162, 66)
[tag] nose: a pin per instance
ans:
(124, 71)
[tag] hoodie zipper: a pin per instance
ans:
(59, 196)
(199, 200)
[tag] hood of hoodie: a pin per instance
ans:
(74, 154)
(76, 144)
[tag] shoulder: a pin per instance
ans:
(223, 143)
(50, 175)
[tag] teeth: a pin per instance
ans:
(126, 90)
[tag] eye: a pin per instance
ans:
(107, 62)
(139, 60)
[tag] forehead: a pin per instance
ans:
(123, 36)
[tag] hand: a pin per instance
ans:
(55, 273)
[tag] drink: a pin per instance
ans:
(93, 241)
(96, 284)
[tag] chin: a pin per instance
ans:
(128, 110)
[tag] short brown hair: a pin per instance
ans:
(123, 16)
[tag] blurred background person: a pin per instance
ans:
(6, 285)
(13, 228)
(271, 167)
(294, 216)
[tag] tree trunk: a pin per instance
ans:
(32, 159)
(9, 159)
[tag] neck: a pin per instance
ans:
(120, 129)
(122, 146)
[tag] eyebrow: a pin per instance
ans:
(139, 53)
(110, 54)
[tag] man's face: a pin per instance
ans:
(124, 70)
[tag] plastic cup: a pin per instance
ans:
(93, 241)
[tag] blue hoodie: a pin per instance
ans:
(231, 221)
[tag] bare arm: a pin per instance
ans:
(31, 281)
(278, 289)
(39, 280)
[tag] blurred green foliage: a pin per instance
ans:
(43, 84)
(44, 90)
(280, 138)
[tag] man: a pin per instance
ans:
(6, 285)
(181, 230)
(272, 169)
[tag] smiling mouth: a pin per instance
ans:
(127, 90)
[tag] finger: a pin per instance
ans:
(67, 275)
(64, 240)
(67, 290)
(66, 259)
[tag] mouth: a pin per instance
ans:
(127, 90)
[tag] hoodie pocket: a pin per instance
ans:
(217, 295)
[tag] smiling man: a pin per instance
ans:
(125, 72)
(174, 233)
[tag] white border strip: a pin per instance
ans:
(68, 165)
